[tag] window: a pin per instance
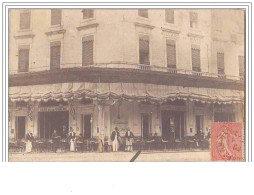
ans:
(144, 50)
(195, 56)
(193, 19)
(170, 16)
(220, 63)
(241, 66)
(23, 63)
(143, 13)
(56, 16)
(55, 55)
(88, 13)
(87, 50)
(25, 20)
(171, 54)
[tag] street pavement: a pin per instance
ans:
(157, 156)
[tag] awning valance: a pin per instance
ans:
(128, 91)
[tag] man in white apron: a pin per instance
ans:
(115, 138)
(129, 138)
(29, 139)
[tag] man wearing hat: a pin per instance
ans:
(115, 138)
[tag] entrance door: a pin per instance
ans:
(50, 121)
(199, 124)
(145, 125)
(87, 126)
(172, 125)
(20, 127)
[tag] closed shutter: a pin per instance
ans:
(56, 16)
(241, 66)
(23, 60)
(87, 52)
(193, 19)
(195, 55)
(88, 13)
(143, 13)
(170, 16)
(25, 20)
(171, 54)
(55, 56)
(144, 52)
(220, 63)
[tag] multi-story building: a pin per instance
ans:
(149, 69)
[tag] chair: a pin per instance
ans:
(178, 144)
(136, 144)
(93, 144)
(80, 145)
(149, 143)
(164, 144)
(191, 143)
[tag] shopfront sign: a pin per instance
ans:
(53, 109)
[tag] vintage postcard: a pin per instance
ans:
(92, 84)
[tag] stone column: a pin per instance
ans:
(190, 118)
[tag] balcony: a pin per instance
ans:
(141, 67)
(125, 73)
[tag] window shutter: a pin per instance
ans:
(241, 66)
(193, 19)
(25, 20)
(87, 52)
(55, 56)
(23, 60)
(143, 13)
(195, 55)
(220, 63)
(56, 16)
(171, 54)
(170, 16)
(144, 52)
(88, 13)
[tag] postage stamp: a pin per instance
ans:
(226, 141)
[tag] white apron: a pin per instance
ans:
(28, 146)
(72, 145)
(115, 144)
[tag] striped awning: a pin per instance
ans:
(129, 91)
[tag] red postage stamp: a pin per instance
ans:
(226, 141)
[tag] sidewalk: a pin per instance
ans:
(158, 156)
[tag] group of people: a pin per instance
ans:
(116, 140)
(72, 138)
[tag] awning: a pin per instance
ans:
(129, 91)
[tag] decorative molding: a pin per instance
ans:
(144, 25)
(27, 36)
(94, 25)
(170, 30)
(195, 35)
(62, 31)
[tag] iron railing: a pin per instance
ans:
(143, 67)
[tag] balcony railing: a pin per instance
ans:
(141, 67)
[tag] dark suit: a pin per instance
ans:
(114, 134)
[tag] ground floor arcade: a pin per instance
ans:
(91, 118)
(95, 109)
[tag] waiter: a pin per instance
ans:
(115, 138)
(129, 136)
(54, 139)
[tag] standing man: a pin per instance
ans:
(54, 140)
(129, 137)
(29, 139)
(72, 137)
(115, 138)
